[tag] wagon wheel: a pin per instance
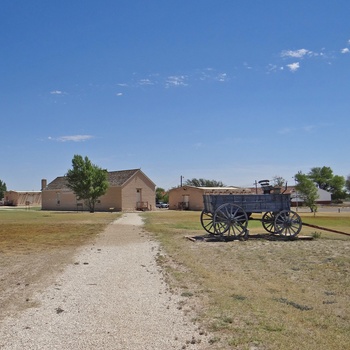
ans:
(231, 219)
(268, 222)
(288, 223)
(207, 221)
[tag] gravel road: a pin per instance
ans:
(112, 297)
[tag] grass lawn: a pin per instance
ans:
(23, 231)
(261, 294)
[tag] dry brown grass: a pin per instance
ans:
(262, 294)
(24, 231)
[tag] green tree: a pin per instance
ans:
(87, 181)
(204, 183)
(3, 188)
(161, 195)
(326, 180)
(321, 176)
(337, 187)
(307, 190)
(347, 183)
(278, 181)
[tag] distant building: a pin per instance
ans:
(324, 197)
(191, 197)
(128, 190)
(296, 199)
(22, 198)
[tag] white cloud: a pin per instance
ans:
(296, 53)
(304, 129)
(271, 68)
(73, 138)
(293, 67)
(173, 80)
(246, 65)
(211, 74)
(345, 50)
(57, 92)
(119, 94)
(145, 82)
(222, 77)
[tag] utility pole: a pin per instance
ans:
(256, 187)
(181, 178)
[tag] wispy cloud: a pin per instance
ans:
(302, 129)
(208, 74)
(301, 53)
(247, 66)
(308, 128)
(271, 68)
(222, 77)
(145, 82)
(283, 61)
(293, 67)
(57, 92)
(71, 138)
(176, 80)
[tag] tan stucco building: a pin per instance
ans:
(191, 198)
(128, 190)
(22, 198)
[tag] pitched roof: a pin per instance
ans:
(118, 178)
(60, 183)
(115, 178)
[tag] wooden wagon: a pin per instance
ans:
(228, 214)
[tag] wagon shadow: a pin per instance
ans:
(261, 237)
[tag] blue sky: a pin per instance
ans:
(231, 90)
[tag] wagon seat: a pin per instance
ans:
(267, 188)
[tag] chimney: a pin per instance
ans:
(43, 184)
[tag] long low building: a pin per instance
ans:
(191, 197)
(22, 198)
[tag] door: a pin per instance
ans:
(138, 198)
(186, 201)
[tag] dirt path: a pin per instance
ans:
(112, 296)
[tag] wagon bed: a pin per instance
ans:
(252, 203)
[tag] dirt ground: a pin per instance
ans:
(21, 276)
